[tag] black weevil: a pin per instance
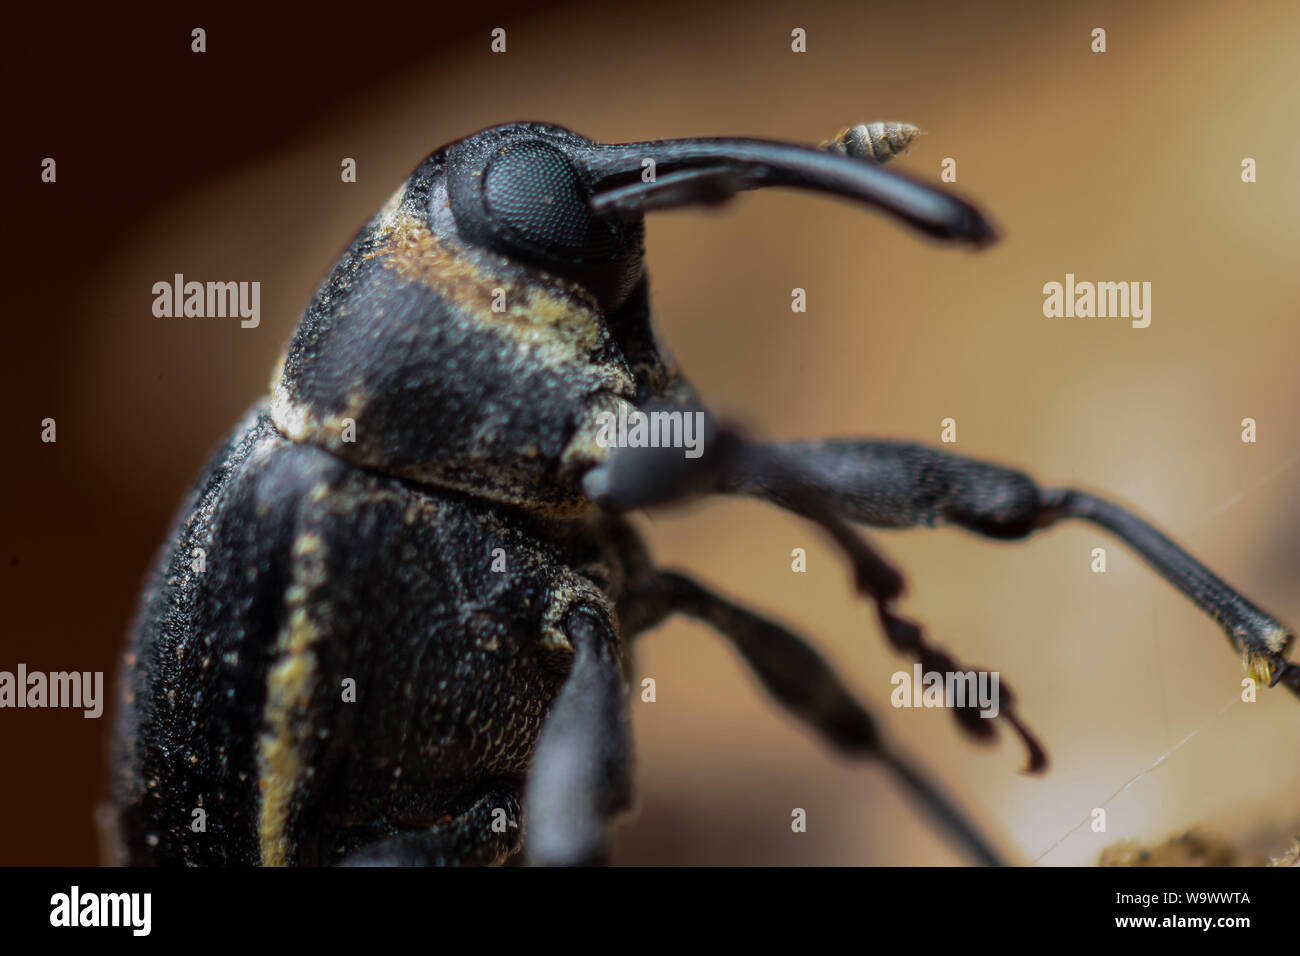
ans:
(392, 623)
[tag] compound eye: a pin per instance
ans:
(538, 201)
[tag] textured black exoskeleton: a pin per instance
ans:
(392, 623)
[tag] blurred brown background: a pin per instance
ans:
(1115, 166)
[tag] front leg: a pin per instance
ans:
(899, 485)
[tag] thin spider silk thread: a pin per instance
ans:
(1140, 774)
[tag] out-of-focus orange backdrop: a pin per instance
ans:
(1116, 166)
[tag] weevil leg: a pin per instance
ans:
(899, 484)
(581, 771)
(807, 687)
(485, 834)
(635, 477)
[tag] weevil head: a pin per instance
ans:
(486, 318)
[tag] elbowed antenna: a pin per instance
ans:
(696, 171)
